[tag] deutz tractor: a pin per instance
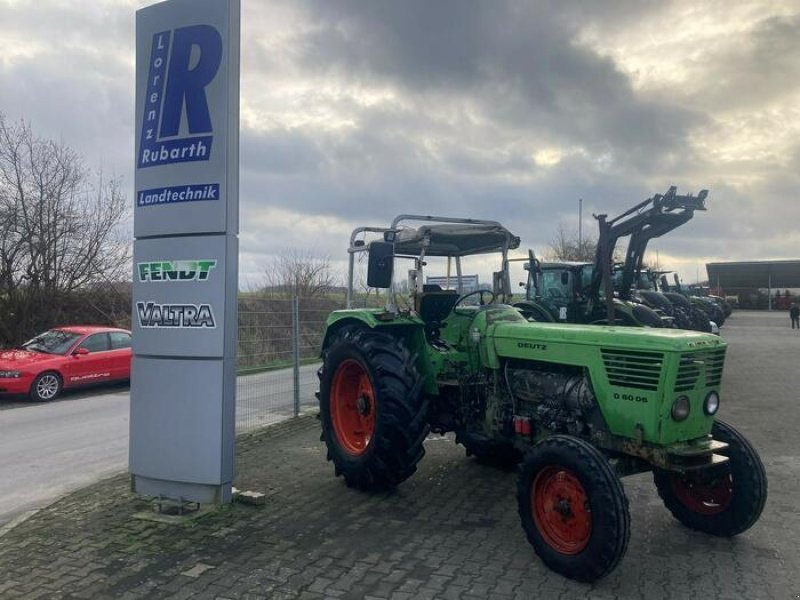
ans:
(577, 406)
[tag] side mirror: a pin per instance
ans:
(381, 264)
(564, 278)
(81, 352)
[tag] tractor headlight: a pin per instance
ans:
(680, 408)
(10, 374)
(711, 403)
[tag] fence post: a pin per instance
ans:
(296, 352)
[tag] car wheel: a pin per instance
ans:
(46, 387)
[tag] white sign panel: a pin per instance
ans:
(182, 307)
(187, 116)
(186, 250)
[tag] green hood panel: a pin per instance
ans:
(506, 336)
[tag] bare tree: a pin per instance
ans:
(299, 273)
(566, 246)
(60, 230)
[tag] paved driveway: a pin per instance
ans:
(451, 531)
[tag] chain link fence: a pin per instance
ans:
(278, 357)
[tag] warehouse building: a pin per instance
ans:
(770, 284)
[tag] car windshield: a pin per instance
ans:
(54, 341)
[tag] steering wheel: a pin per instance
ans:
(478, 293)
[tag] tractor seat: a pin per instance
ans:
(435, 306)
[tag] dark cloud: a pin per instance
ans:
(356, 111)
(518, 63)
(70, 73)
(751, 70)
(279, 152)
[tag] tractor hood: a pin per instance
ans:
(524, 334)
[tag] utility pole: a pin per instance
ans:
(580, 225)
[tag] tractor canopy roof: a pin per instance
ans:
(454, 239)
(565, 264)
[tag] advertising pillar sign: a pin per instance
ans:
(186, 214)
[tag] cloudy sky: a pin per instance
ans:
(355, 111)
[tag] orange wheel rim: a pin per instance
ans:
(353, 407)
(561, 510)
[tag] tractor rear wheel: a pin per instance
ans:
(374, 416)
(533, 311)
(573, 508)
(724, 500)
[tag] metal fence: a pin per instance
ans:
(278, 357)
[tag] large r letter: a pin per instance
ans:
(185, 85)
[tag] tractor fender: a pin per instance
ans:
(403, 326)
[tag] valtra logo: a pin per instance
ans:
(183, 63)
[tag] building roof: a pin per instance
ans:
(755, 274)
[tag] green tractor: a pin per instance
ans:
(577, 406)
(568, 292)
(575, 292)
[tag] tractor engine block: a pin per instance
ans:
(558, 399)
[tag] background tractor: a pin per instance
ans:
(603, 292)
(577, 406)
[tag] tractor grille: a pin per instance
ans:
(689, 369)
(633, 369)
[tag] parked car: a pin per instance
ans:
(66, 357)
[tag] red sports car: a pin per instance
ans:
(66, 357)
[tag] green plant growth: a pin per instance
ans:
(579, 406)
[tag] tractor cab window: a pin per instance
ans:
(557, 285)
(586, 277)
(644, 282)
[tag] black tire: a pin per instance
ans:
(682, 320)
(488, 451)
(390, 405)
(533, 311)
(719, 316)
(46, 387)
(732, 495)
(620, 319)
(700, 320)
(559, 461)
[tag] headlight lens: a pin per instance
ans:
(10, 374)
(711, 403)
(680, 408)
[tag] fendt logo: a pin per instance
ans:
(182, 63)
(175, 270)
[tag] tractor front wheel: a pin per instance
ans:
(573, 508)
(374, 416)
(724, 500)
